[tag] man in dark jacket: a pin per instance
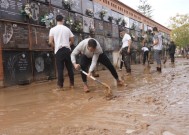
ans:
(172, 49)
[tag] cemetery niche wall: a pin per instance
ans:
(25, 26)
(17, 67)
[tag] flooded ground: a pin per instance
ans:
(151, 104)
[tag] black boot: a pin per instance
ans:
(159, 69)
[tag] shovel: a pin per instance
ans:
(104, 84)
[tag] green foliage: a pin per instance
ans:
(145, 8)
(180, 29)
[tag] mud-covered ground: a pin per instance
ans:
(151, 104)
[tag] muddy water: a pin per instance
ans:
(150, 104)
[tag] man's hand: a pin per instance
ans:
(89, 74)
(77, 66)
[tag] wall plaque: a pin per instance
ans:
(107, 29)
(39, 37)
(97, 10)
(100, 39)
(57, 3)
(17, 67)
(43, 65)
(11, 9)
(76, 6)
(38, 11)
(88, 24)
(87, 7)
(115, 31)
(98, 27)
(14, 35)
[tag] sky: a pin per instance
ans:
(162, 9)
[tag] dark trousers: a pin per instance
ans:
(103, 59)
(63, 57)
(172, 56)
(145, 57)
(126, 59)
(121, 63)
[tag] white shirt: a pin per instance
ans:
(61, 36)
(145, 49)
(158, 37)
(82, 48)
(125, 40)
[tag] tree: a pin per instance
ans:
(145, 8)
(180, 30)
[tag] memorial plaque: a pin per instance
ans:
(43, 65)
(87, 7)
(16, 67)
(108, 46)
(115, 44)
(39, 38)
(11, 10)
(76, 6)
(115, 31)
(99, 27)
(109, 55)
(100, 39)
(14, 35)
(38, 11)
(107, 29)
(57, 3)
(97, 10)
(88, 23)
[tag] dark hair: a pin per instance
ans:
(59, 18)
(122, 29)
(92, 43)
(155, 29)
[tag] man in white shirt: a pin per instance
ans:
(60, 38)
(126, 49)
(91, 53)
(157, 46)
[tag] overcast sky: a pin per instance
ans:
(163, 9)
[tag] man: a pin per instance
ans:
(126, 49)
(91, 54)
(157, 46)
(172, 49)
(60, 38)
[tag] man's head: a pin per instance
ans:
(155, 29)
(122, 32)
(92, 45)
(59, 18)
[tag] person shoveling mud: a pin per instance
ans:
(91, 54)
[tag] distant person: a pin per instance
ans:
(172, 49)
(126, 49)
(145, 54)
(157, 46)
(91, 54)
(60, 38)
